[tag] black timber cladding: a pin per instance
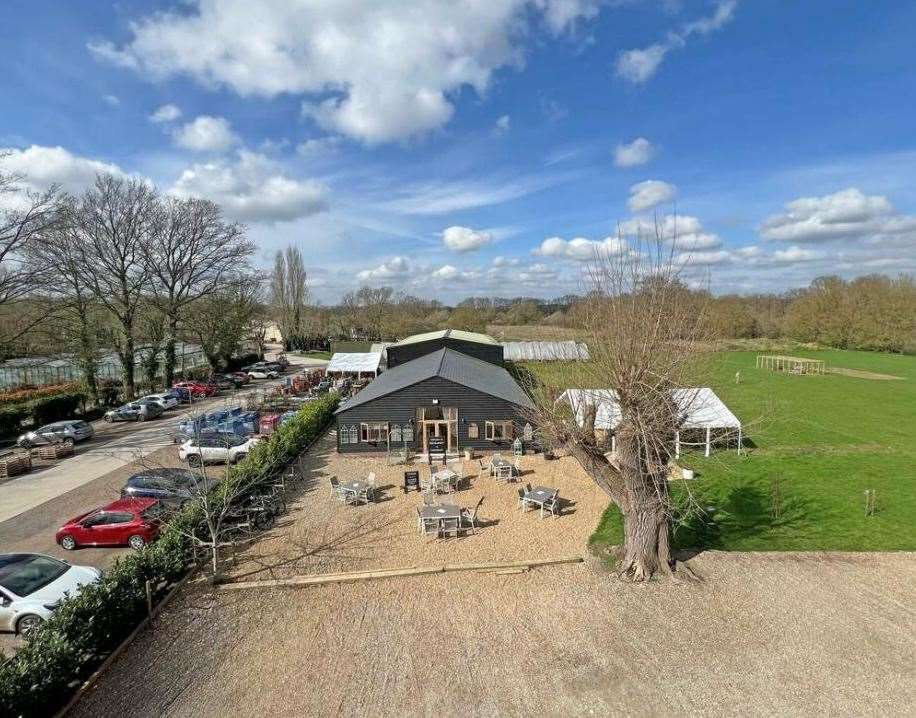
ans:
(403, 353)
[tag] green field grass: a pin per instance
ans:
(314, 355)
(825, 438)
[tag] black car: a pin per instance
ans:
(171, 486)
(223, 381)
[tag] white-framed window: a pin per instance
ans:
(473, 431)
(396, 433)
(374, 433)
(407, 433)
(344, 433)
(498, 430)
(354, 434)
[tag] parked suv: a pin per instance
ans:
(166, 400)
(74, 430)
(223, 448)
(139, 410)
(262, 371)
(31, 586)
(125, 522)
(173, 487)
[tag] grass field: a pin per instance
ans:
(826, 439)
(314, 355)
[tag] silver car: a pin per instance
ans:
(32, 585)
(73, 430)
(139, 410)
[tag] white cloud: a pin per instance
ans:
(378, 72)
(206, 134)
(317, 146)
(465, 239)
(41, 167)
(395, 268)
(848, 214)
(252, 189)
(702, 259)
(637, 152)
(503, 124)
(446, 272)
(640, 64)
(683, 232)
(505, 261)
(166, 113)
(536, 274)
(795, 254)
(649, 194)
(580, 249)
(112, 100)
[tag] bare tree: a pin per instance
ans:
(289, 291)
(644, 341)
(191, 253)
(221, 321)
(24, 216)
(113, 223)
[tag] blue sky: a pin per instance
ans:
(458, 148)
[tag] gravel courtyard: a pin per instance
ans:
(762, 634)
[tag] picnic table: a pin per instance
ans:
(358, 489)
(539, 495)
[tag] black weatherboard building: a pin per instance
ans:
(443, 400)
(471, 343)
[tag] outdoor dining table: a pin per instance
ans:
(440, 513)
(445, 477)
(358, 487)
(538, 495)
(498, 463)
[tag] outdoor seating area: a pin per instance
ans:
(364, 514)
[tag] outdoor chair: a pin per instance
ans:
(484, 468)
(518, 467)
(504, 472)
(522, 500)
(336, 490)
(428, 498)
(528, 488)
(552, 505)
(469, 518)
(426, 526)
(450, 527)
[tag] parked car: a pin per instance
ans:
(261, 371)
(73, 430)
(32, 585)
(139, 410)
(218, 447)
(240, 377)
(198, 389)
(173, 487)
(282, 361)
(221, 381)
(166, 400)
(183, 394)
(126, 522)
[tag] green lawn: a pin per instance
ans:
(827, 439)
(314, 355)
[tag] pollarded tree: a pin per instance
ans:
(643, 339)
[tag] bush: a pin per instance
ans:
(236, 363)
(55, 408)
(84, 629)
(30, 393)
(11, 417)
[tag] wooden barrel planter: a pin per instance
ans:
(14, 464)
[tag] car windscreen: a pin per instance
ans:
(24, 574)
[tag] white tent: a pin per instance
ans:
(358, 363)
(545, 351)
(701, 409)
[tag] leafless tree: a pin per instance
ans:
(289, 291)
(24, 217)
(222, 320)
(366, 310)
(192, 252)
(113, 224)
(644, 341)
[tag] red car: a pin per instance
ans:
(126, 522)
(198, 389)
(240, 376)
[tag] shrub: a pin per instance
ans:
(84, 629)
(29, 393)
(236, 363)
(54, 408)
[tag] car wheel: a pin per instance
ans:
(28, 624)
(25, 444)
(136, 542)
(68, 543)
(109, 418)
(195, 461)
(69, 442)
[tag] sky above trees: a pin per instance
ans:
(458, 148)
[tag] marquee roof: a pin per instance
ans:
(354, 362)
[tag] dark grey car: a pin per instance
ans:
(135, 411)
(170, 486)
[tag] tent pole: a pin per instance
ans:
(739, 440)
(677, 444)
(707, 440)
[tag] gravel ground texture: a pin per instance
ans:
(760, 634)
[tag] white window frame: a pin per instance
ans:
(505, 427)
(473, 431)
(373, 432)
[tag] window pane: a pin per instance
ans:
(354, 435)
(407, 434)
(344, 433)
(473, 432)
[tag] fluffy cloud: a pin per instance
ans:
(637, 152)
(649, 194)
(640, 64)
(795, 254)
(848, 214)
(318, 146)
(396, 268)
(389, 67)
(206, 134)
(505, 261)
(252, 189)
(41, 167)
(580, 249)
(683, 232)
(166, 113)
(503, 124)
(465, 239)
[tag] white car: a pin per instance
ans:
(32, 585)
(166, 401)
(261, 372)
(219, 447)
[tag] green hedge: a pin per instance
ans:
(83, 630)
(42, 410)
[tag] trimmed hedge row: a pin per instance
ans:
(23, 395)
(84, 629)
(42, 410)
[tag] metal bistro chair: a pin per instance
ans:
(426, 526)
(428, 498)
(484, 468)
(522, 499)
(504, 472)
(552, 505)
(450, 527)
(337, 491)
(469, 518)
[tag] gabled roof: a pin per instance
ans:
(354, 362)
(700, 408)
(447, 334)
(447, 364)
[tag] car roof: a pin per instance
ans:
(162, 473)
(131, 504)
(7, 559)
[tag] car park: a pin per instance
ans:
(261, 371)
(73, 430)
(165, 400)
(173, 487)
(125, 522)
(217, 447)
(139, 410)
(197, 389)
(33, 584)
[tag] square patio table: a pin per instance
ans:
(538, 495)
(440, 512)
(357, 487)
(446, 476)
